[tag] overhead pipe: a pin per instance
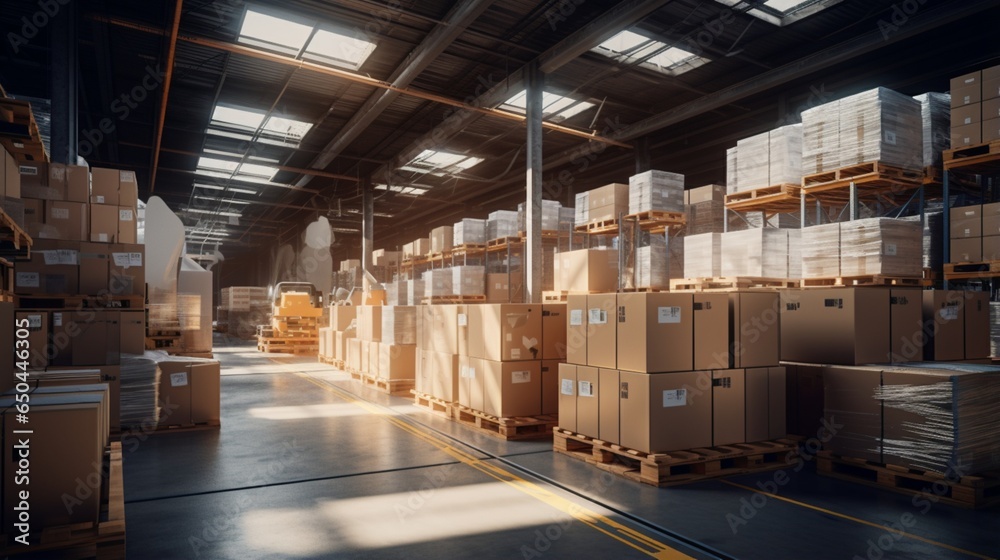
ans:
(167, 79)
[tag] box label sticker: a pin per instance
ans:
(667, 315)
(57, 319)
(567, 387)
(60, 213)
(34, 321)
(126, 260)
(102, 237)
(575, 317)
(27, 280)
(126, 176)
(125, 215)
(890, 137)
(28, 170)
(890, 249)
(585, 389)
(100, 198)
(179, 379)
(515, 353)
(674, 397)
(62, 256)
(520, 377)
(597, 316)
(949, 313)
(463, 320)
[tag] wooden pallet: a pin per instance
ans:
(966, 156)
(977, 491)
(198, 426)
(186, 354)
(103, 540)
(870, 280)
(501, 243)
(599, 227)
(391, 386)
(288, 345)
(16, 243)
(433, 404)
(454, 299)
(21, 136)
(785, 197)
(161, 342)
(82, 302)
(554, 297)
(859, 172)
(970, 270)
(517, 428)
(468, 247)
(730, 284)
(656, 221)
(676, 467)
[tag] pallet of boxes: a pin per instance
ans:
(293, 327)
(242, 309)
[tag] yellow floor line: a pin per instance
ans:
(592, 519)
(903, 534)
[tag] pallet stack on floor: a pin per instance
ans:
(293, 328)
(241, 309)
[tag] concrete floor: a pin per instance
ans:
(308, 464)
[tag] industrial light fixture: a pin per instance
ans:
(781, 12)
(242, 123)
(402, 190)
(636, 48)
(332, 45)
(555, 107)
(441, 163)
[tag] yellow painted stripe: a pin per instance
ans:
(861, 521)
(592, 519)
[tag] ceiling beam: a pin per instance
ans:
(167, 79)
(273, 185)
(454, 24)
(921, 22)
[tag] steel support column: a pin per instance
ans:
(367, 223)
(533, 258)
(65, 78)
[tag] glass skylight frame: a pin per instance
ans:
(555, 107)
(801, 10)
(639, 48)
(224, 169)
(404, 190)
(242, 123)
(290, 34)
(440, 163)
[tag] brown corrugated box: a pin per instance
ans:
(442, 327)
(53, 269)
(728, 407)
(374, 357)
(609, 403)
(655, 332)
(366, 353)
(127, 272)
(966, 222)
(968, 135)
(554, 331)
(991, 83)
(94, 268)
(71, 181)
(653, 406)
(835, 326)
(757, 404)
(11, 175)
(470, 383)
(444, 375)
(589, 270)
(341, 316)
(67, 220)
(576, 329)
(977, 325)
(98, 338)
(127, 225)
(777, 402)
(34, 181)
(512, 389)
(441, 239)
(755, 328)
(964, 116)
(133, 331)
(588, 380)
(567, 397)
(498, 287)
(711, 331)
(38, 337)
(192, 387)
(944, 317)
(906, 324)
(128, 189)
(707, 193)
(397, 361)
(505, 332)
(849, 401)
(991, 248)
(991, 130)
(966, 89)
(966, 250)
(550, 386)
(991, 219)
(602, 329)
(804, 388)
(34, 217)
(605, 203)
(104, 186)
(991, 110)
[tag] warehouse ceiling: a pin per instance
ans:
(278, 112)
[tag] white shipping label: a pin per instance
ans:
(125, 215)
(668, 315)
(597, 316)
(515, 353)
(567, 387)
(890, 137)
(126, 260)
(102, 237)
(100, 199)
(949, 313)
(890, 249)
(520, 377)
(463, 320)
(62, 256)
(126, 176)
(60, 213)
(575, 317)
(57, 319)
(674, 397)
(179, 379)
(585, 389)
(34, 321)
(135, 259)
(28, 170)
(27, 280)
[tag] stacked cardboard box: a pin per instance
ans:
(756, 252)
(703, 255)
(705, 209)
(881, 246)
(551, 211)
(732, 170)
(785, 155)
(659, 262)
(661, 372)
(820, 246)
(975, 108)
(396, 348)
(821, 138)
(468, 280)
(390, 259)
(656, 191)
(417, 248)
(881, 125)
(441, 239)
(438, 282)
(607, 202)
(588, 270)
(975, 233)
(343, 325)
(935, 115)
(769, 158)
(581, 212)
(753, 162)
(469, 231)
(501, 223)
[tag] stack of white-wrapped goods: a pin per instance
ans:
(881, 246)
(656, 191)
(659, 262)
(581, 212)
(468, 280)
(140, 381)
(501, 223)
(821, 138)
(703, 255)
(785, 155)
(761, 253)
(438, 283)
(821, 251)
(881, 125)
(469, 231)
(935, 116)
(753, 163)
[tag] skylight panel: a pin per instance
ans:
(246, 122)
(273, 31)
(554, 106)
(402, 190)
(288, 127)
(224, 169)
(635, 48)
(785, 6)
(441, 163)
(340, 49)
(221, 188)
(237, 117)
(781, 12)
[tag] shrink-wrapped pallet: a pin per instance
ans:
(761, 253)
(881, 125)
(821, 138)
(399, 324)
(438, 282)
(821, 251)
(785, 155)
(469, 231)
(881, 246)
(703, 255)
(753, 162)
(501, 223)
(935, 117)
(468, 280)
(656, 191)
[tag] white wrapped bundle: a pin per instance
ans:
(935, 116)
(821, 138)
(582, 209)
(656, 191)
(703, 255)
(438, 282)
(759, 253)
(785, 159)
(469, 231)
(732, 176)
(821, 251)
(883, 246)
(501, 223)
(468, 280)
(881, 125)
(753, 164)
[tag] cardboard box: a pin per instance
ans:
(374, 359)
(589, 270)
(38, 337)
(34, 182)
(728, 407)
(98, 341)
(991, 83)
(777, 402)
(567, 397)
(711, 331)
(991, 248)
(45, 390)
(78, 183)
(206, 392)
(128, 227)
(968, 135)
(576, 329)
(991, 130)
(442, 327)
(128, 189)
(906, 324)
(512, 389)
(366, 353)
(843, 326)
(588, 380)
(34, 217)
(757, 403)
(609, 402)
(966, 250)
(655, 332)
(602, 330)
(441, 239)
(353, 354)
(342, 317)
(470, 382)
(653, 406)
(991, 219)
(849, 399)
(397, 361)
(133, 331)
(964, 116)
(550, 386)
(966, 222)
(804, 406)
(944, 320)
(554, 331)
(94, 268)
(192, 387)
(967, 89)
(991, 111)
(444, 375)
(607, 202)
(755, 328)
(53, 269)
(127, 269)
(498, 288)
(104, 186)
(11, 175)
(68, 220)
(977, 325)
(462, 329)
(505, 332)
